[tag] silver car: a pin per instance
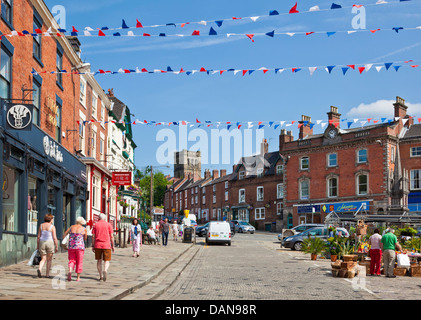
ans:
(302, 227)
(242, 226)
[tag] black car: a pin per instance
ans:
(202, 230)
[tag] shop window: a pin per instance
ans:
(33, 205)
(10, 201)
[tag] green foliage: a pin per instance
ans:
(313, 245)
(407, 231)
(345, 248)
(159, 187)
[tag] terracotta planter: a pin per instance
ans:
(314, 256)
(333, 257)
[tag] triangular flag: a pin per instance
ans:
(361, 69)
(212, 32)
(101, 34)
(250, 36)
(330, 68)
(315, 8)
(349, 124)
(254, 18)
(273, 13)
(294, 9)
(397, 29)
(378, 68)
(244, 72)
(312, 69)
(204, 23)
(387, 65)
(271, 34)
(124, 25)
(295, 69)
(219, 23)
(344, 70)
(396, 68)
(368, 67)
(308, 33)
(138, 24)
(330, 33)
(352, 66)
(196, 33)
(335, 6)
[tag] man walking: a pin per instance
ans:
(165, 232)
(102, 244)
(389, 244)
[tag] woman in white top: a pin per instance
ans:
(47, 244)
(375, 253)
(175, 230)
(136, 237)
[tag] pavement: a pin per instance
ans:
(126, 275)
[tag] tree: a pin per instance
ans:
(159, 187)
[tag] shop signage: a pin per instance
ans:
(345, 206)
(54, 111)
(51, 149)
(309, 209)
(19, 116)
(122, 179)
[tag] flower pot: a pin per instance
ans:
(333, 257)
(314, 256)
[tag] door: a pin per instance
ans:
(301, 219)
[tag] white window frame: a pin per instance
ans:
(308, 163)
(94, 105)
(279, 207)
(416, 151)
(358, 184)
(204, 199)
(241, 175)
(260, 196)
(279, 169)
(329, 188)
(226, 184)
(303, 197)
(259, 213)
(415, 179)
(260, 172)
(280, 191)
(358, 156)
(242, 199)
(329, 164)
(226, 195)
(96, 192)
(214, 198)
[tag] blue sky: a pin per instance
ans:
(256, 97)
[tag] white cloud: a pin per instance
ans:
(381, 108)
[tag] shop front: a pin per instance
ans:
(38, 176)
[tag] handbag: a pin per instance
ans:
(35, 258)
(65, 242)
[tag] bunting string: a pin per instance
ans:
(262, 124)
(213, 32)
(87, 31)
(329, 68)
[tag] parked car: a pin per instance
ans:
(219, 232)
(302, 227)
(202, 230)
(242, 226)
(295, 242)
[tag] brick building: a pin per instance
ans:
(345, 170)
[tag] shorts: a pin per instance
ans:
(103, 254)
(46, 246)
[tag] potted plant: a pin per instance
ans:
(332, 248)
(345, 249)
(314, 246)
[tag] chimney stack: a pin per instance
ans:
(264, 147)
(334, 117)
(285, 137)
(215, 174)
(307, 128)
(207, 174)
(222, 173)
(400, 108)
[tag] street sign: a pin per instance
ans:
(122, 178)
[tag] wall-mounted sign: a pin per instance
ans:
(346, 206)
(53, 112)
(19, 116)
(309, 209)
(51, 149)
(122, 179)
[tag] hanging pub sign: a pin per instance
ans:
(19, 116)
(122, 178)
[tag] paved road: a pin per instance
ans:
(256, 268)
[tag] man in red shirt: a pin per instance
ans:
(102, 244)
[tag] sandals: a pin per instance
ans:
(39, 273)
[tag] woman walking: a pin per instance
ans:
(76, 247)
(175, 230)
(47, 244)
(136, 237)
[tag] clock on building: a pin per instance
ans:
(332, 133)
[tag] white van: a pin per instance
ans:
(219, 232)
